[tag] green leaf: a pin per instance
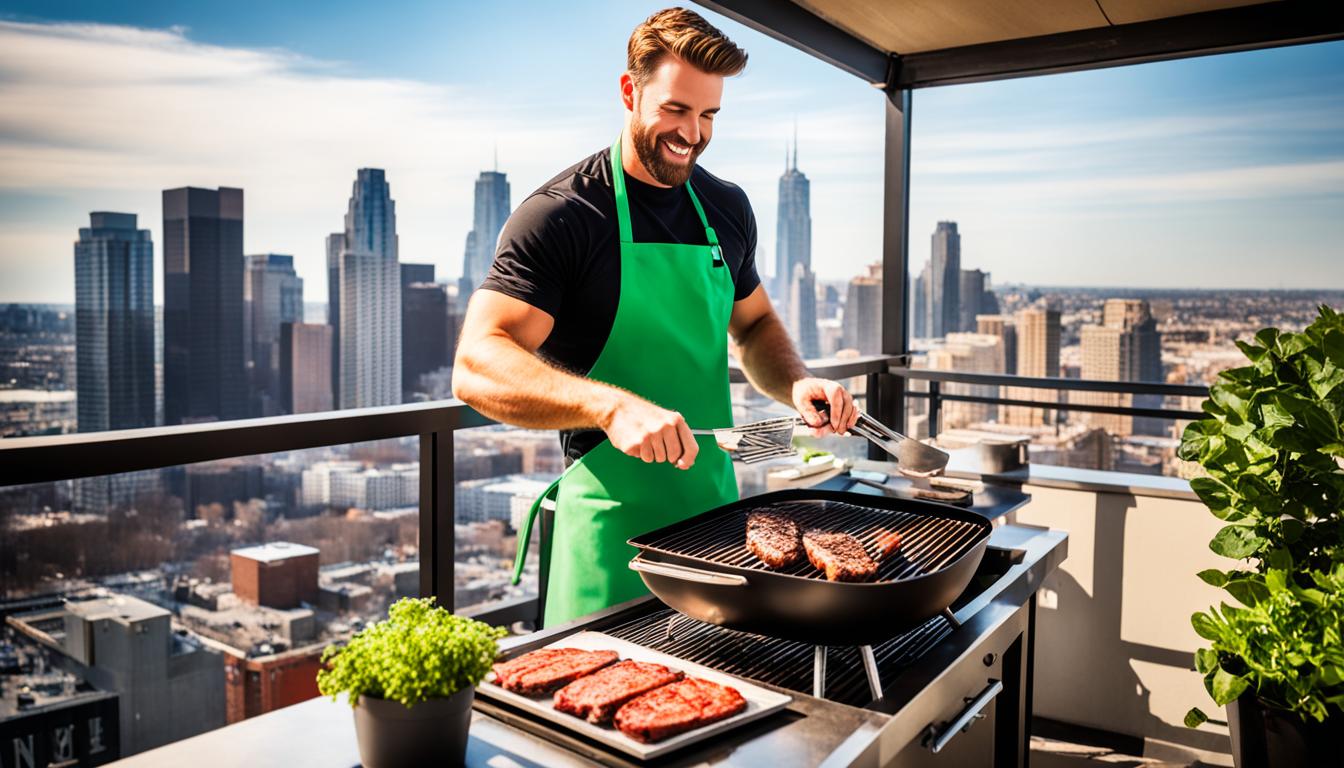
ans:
(1279, 558)
(1226, 687)
(1333, 346)
(1205, 626)
(1206, 660)
(1213, 577)
(1236, 541)
(1195, 718)
(1214, 494)
(1248, 591)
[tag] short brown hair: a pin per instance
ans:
(686, 35)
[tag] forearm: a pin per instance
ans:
(770, 359)
(505, 382)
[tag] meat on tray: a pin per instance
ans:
(544, 670)
(598, 696)
(840, 555)
(774, 539)
(676, 708)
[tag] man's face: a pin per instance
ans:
(672, 118)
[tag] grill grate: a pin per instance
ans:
(928, 543)
(783, 663)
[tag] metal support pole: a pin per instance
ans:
(935, 406)
(436, 517)
(895, 256)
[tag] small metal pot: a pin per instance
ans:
(433, 732)
(999, 456)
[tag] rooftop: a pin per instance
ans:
(273, 551)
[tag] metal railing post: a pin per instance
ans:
(437, 545)
(935, 406)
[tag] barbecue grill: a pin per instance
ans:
(702, 568)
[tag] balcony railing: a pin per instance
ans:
(65, 457)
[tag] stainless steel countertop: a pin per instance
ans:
(810, 731)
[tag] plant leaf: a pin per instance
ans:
(1227, 687)
(1213, 577)
(1236, 541)
(1195, 718)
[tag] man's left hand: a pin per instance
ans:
(843, 412)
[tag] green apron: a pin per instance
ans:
(668, 345)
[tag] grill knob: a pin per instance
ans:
(989, 659)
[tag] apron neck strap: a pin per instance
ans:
(623, 202)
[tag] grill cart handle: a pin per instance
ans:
(685, 573)
(936, 741)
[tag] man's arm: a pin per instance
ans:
(773, 366)
(498, 373)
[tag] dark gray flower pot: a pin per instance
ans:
(1265, 737)
(433, 732)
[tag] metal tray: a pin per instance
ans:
(760, 701)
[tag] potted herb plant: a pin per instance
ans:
(1273, 449)
(410, 679)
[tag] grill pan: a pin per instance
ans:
(702, 568)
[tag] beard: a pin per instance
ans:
(651, 155)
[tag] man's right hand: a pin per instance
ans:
(641, 429)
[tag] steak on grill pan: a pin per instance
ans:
(544, 670)
(598, 696)
(774, 539)
(676, 708)
(840, 555)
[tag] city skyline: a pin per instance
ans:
(1143, 175)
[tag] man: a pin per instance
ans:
(607, 312)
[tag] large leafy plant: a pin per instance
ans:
(1272, 447)
(421, 651)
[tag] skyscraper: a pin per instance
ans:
(919, 300)
(970, 353)
(971, 290)
(1134, 317)
(491, 210)
(862, 325)
(1004, 327)
(427, 333)
(1038, 331)
(943, 300)
(1108, 355)
(114, 324)
(272, 296)
(370, 295)
(335, 245)
(203, 374)
(305, 367)
(793, 230)
(803, 311)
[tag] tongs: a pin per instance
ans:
(773, 438)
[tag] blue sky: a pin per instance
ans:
(1224, 171)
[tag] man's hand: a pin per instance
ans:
(843, 413)
(641, 429)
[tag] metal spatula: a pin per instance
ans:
(757, 441)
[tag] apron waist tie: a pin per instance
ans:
(525, 535)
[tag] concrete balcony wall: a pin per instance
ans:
(1114, 642)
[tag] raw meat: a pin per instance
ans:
(677, 708)
(598, 696)
(774, 539)
(839, 555)
(544, 670)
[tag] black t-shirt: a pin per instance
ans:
(560, 252)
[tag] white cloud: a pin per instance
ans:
(105, 115)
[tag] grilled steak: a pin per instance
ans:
(774, 539)
(840, 555)
(677, 708)
(598, 696)
(544, 670)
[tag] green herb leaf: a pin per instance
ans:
(1195, 718)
